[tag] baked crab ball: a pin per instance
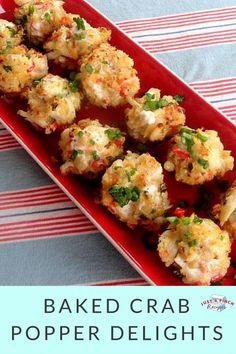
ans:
(69, 43)
(19, 67)
(197, 156)
(153, 118)
(198, 247)
(227, 211)
(40, 18)
(10, 35)
(88, 148)
(108, 77)
(133, 189)
(51, 103)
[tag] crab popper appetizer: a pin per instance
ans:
(197, 247)
(19, 67)
(71, 42)
(108, 77)
(10, 35)
(153, 118)
(198, 156)
(226, 211)
(51, 103)
(89, 147)
(133, 189)
(40, 18)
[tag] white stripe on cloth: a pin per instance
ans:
(184, 31)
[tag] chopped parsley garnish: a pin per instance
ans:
(178, 98)
(7, 68)
(89, 68)
(130, 173)
(186, 220)
(188, 234)
(80, 152)
(8, 46)
(80, 36)
(154, 105)
(113, 134)
(173, 220)
(197, 220)
(123, 195)
(204, 163)
(48, 17)
(74, 154)
(222, 237)
(202, 137)
(31, 10)
(91, 142)
(22, 20)
(79, 23)
(95, 155)
(74, 85)
(192, 243)
(187, 139)
(80, 134)
(142, 147)
(105, 62)
(13, 31)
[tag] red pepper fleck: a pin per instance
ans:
(181, 153)
(179, 212)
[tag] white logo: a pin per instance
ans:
(217, 303)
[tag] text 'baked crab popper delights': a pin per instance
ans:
(197, 156)
(51, 103)
(226, 211)
(197, 247)
(153, 118)
(71, 42)
(10, 35)
(89, 147)
(19, 67)
(108, 77)
(39, 18)
(133, 189)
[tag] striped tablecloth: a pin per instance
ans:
(44, 238)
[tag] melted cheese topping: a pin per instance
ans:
(200, 250)
(108, 77)
(88, 150)
(144, 173)
(154, 125)
(52, 104)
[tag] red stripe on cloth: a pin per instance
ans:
(189, 38)
(120, 282)
(35, 190)
(88, 230)
(214, 83)
(31, 197)
(78, 216)
(201, 44)
(180, 17)
(178, 24)
(28, 205)
(49, 228)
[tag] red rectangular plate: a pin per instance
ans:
(152, 73)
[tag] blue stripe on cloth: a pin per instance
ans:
(3, 216)
(62, 261)
(176, 32)
(20, 171)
